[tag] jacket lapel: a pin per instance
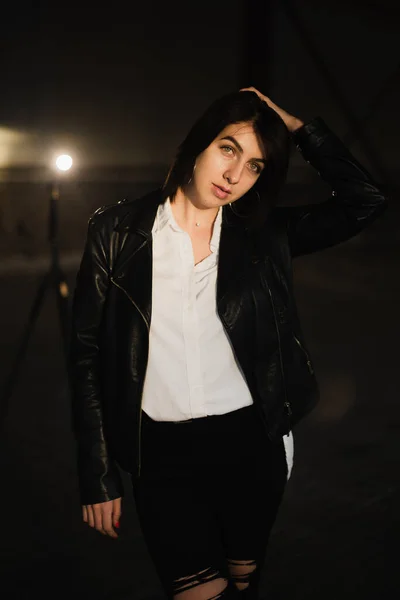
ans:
(133, 270)
(235, 253)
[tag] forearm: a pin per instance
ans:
(99, 480)
(351, 183)
(356, 200)
(294, 124)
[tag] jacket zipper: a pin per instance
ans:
(309, 365)
(286, 403)
(141, 391)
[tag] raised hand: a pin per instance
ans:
(291, 122)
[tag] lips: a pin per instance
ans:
(223, 188)
(220, 192)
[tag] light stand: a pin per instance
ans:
(54, 278)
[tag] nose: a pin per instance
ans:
(232, 176)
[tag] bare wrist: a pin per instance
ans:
(295, 124)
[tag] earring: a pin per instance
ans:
(191, 177)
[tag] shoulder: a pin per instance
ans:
(112, 216)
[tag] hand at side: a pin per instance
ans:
(103, 516)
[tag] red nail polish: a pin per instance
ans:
(117, 524)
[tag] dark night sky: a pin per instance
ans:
(121, 85)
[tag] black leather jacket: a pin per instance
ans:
(255, 302)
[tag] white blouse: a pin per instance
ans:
(192, 371)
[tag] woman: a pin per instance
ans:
(189, 366)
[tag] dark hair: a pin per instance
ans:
(273, 136)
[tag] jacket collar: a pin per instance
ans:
(140, 214)
(134, 264)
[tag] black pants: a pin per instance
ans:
(207, 498)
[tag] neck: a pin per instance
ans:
(191, 216)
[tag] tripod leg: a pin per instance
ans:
(33, 315)
(62, 292)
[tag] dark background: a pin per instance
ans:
(118, 87)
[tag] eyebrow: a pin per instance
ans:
(240, 149)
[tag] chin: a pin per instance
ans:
(216, 203)
(206, 199)
(210, 201)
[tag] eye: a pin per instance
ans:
(228, 149)
(255, 167)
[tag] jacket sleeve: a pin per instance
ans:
(99, 477)
(356, 199)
